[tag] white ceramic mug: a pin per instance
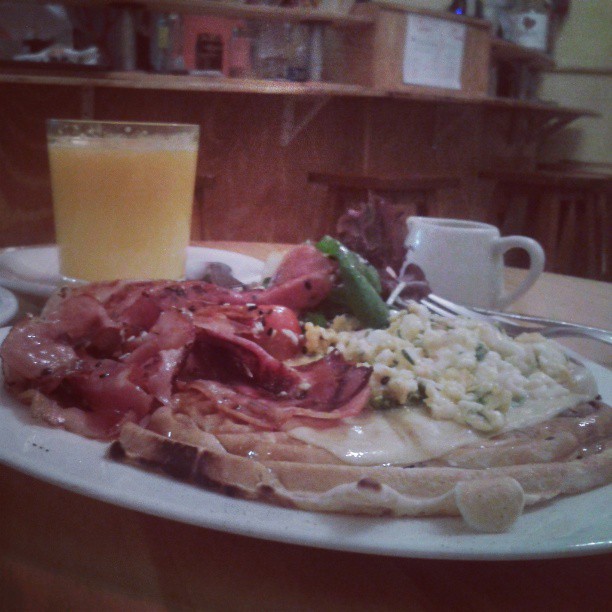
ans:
(463, 260)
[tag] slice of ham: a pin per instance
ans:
(106, 388)
(42, 351)
(159, 354)
(245, 382)
(101, 425)
(119, 350)
(335, 391)
(303, 279)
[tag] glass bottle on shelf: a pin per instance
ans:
(209, 53)
(240, 51)
(271, 50)
(299, 47)
(166, 52)
(496, 12)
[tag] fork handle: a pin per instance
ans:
(569, 329)
(551, 327)
(514, 316)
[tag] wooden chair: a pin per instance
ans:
(567, 212)
(417, 192)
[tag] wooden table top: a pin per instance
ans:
(62, 550)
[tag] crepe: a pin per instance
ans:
(487, 483)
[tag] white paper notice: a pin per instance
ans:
(433, 52)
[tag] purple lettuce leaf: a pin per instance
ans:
(377, 231)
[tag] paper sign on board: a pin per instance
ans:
(433, 52)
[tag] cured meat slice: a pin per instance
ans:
(102, 425)
(42, 351)
(302, 280)
(119, 350)
(159, 354)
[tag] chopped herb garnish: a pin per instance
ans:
(381, 403)
(482, 399)
(407, 357)
(481, 351)
(316, 318)
(422, 390)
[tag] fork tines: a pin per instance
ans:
(446, 308)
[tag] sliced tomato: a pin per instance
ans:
(281, 335)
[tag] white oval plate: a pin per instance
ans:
(8, 306)
(35, 270)
(567, 526)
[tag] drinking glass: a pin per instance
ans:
(122, 197)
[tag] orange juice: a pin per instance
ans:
(122, 205)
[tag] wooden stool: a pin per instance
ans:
(567, 212)
(414, 191)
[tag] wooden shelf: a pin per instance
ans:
(179, 82)
(447, 15)
(204, 84)
(502, 50)
(235, 10)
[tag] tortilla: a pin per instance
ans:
(487, 484)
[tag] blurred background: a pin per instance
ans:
(493, 110)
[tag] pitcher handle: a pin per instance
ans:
(536, 265)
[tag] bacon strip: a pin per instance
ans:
(302, 280)
(119, 350)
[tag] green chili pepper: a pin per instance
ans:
(360, 284)
(363, 267)
(316, 318)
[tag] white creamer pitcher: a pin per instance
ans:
(463, 260)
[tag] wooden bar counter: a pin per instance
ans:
(63, 551)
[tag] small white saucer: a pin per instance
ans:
(8, 306)
(34, 271)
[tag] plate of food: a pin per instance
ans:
(303, 409)
(34, 270)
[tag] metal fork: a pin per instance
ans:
(516, 324)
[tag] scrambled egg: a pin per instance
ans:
(463, 370)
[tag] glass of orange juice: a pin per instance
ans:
(122, 197)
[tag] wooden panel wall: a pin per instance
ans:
(260, 190)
